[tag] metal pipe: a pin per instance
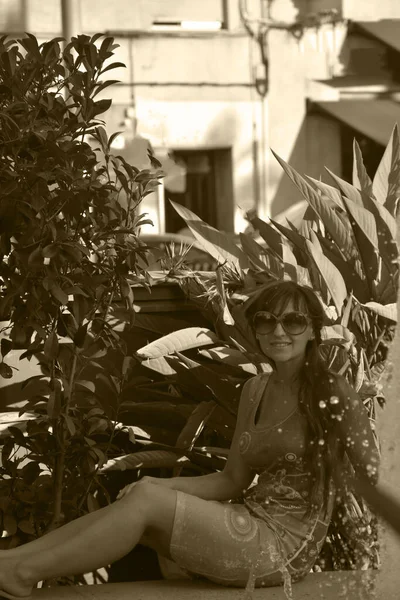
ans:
(67, 19)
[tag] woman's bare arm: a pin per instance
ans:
(222, 485)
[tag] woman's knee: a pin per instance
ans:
(141, 492)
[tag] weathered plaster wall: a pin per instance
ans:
(371, 10)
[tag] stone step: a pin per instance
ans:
(339, 585)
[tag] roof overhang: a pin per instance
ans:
(386, 31)
(373, 118)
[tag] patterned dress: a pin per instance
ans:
(270, 533)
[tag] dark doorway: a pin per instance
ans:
(209, 189)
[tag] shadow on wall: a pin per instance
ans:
(317, 145)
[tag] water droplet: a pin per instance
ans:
(334, 400)
(279, 430)
(365, 443)
(322, 404)
(321, 442)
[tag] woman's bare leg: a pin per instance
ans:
(89, 543)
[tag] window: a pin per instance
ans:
(200, 15)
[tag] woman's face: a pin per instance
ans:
(281, 346)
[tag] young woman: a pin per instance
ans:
(267, 513)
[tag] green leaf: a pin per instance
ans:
(297, 240)
(272, 237)
(337, 334)
(389, 311)
(80, 335)
(230, 356)
(331, 221)
(361, 178)
(184, 339)
(330, 275)
(217, 244)
(348, 190)
(54, 402)
(59, 294)
(160, 365)
(331, 193)
(87, 385)
(114, 65)
(152, 459)
(70, 424)
(260, 258)
(50, 348)
(364, 220)
(388, 166)
(224, 391)
(195, 425)
(6, 346)
(366, 236)
(222, 302)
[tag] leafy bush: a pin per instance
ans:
(346, 249)
(70, 252)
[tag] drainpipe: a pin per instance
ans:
(67, 19)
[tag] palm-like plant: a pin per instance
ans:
(346, 249)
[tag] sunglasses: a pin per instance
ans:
(294, 323)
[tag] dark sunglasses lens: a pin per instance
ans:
(294, 323)
(264, 323)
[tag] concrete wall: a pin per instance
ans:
(370, 10)
(12, 16)
(194, 91)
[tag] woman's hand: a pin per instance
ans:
(128, 488)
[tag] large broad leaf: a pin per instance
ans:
(331, 221)
(161, 324)
(269, 235)
(331, 276)
(288, 256)
(147, 459)
(365, 220)
(353, 280)
(159, 365)
(230, 356)
(225, 392)
(181, 340)
(385, 171)
(327, 190)
(294, 237)
(337, 334)
(195, 425)
(347, 189)
(382, 215)
(260, 258)
(366, 236)
(158, 414)
(221, 300)
(389, 311)
(361, 178)
(219, 245)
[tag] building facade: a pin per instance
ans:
(212, 86)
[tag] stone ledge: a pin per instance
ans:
(345, 585)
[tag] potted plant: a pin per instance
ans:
(346, 249)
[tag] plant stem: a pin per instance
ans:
(59, 432)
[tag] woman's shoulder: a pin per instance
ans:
(252, 387)
(259, 379)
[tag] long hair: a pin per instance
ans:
(318, 390)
